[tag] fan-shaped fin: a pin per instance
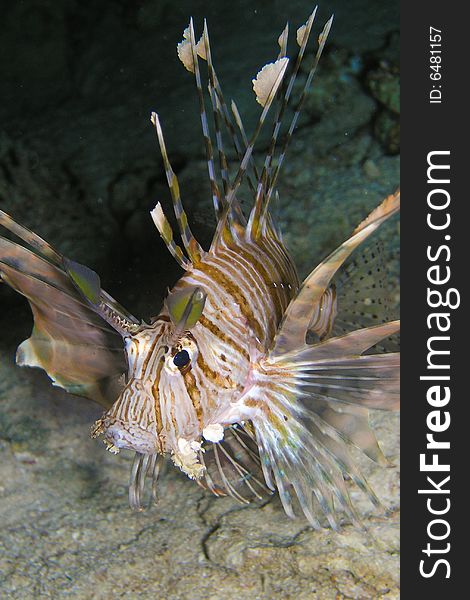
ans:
(71, 339)
(364, 298)
(301, 309)
(313, 405)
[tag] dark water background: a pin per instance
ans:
(79, 158)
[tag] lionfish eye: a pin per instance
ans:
(181, 359)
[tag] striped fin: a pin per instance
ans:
(327, 368)
(233, 466)
(236, 218)
(313, 406)
(217, 119)
(190, 243)
(259, 208)
(222, 224)
(252, 164)
(270, 229)
(250, 146)
(188, 52)
(106, 306)
(236, 224)
(231, 222)
(300, 311)
(166, 232)
(224, 114)
(32, 239)
(239, 122)
(71, 339)
(322, 40)
(216, 196)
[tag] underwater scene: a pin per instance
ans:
(234, 184)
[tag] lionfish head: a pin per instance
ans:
(164, 407)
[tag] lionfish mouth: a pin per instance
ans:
(118, 435)
(145, 466)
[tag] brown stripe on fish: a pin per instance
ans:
(256, 298)
(280, 265)
(282, 276)
(273, 259)
(218, 299)
(156, 397)
(216, 378)
(119, 411)
(165, 318)
(271, 275)
(249, 263)
(235, 291)
(172, 411)
(212, 327)
(150, 352)
(194, 394)
(278, 253)
(258, 400)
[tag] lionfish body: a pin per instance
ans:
(247, 288)
(225, 380)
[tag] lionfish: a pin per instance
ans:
(242, 379)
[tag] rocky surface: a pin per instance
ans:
(67, 530)
(79, 164)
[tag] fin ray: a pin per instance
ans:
(233, 466)
(259, 211)
(300, 311)
(313, 406)
(71, 338)
(190, 243)
(166, 232)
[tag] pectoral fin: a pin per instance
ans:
(70, 340)
(86, 280)
(302, 308)
(312, 407)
